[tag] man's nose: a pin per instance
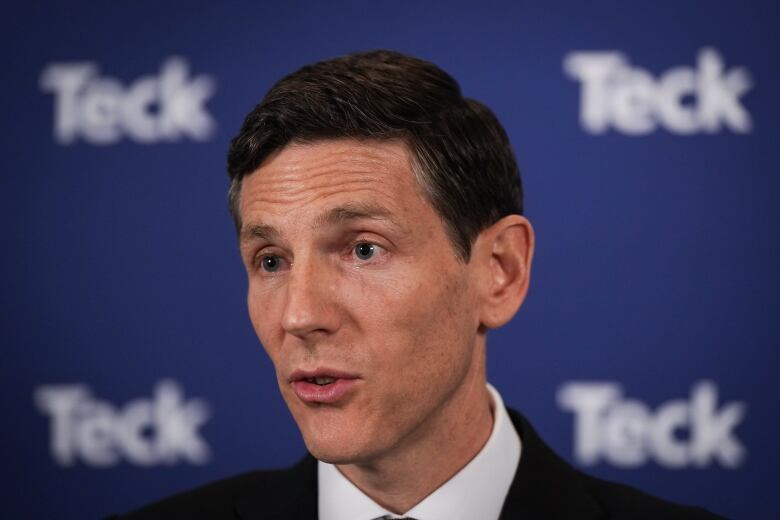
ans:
(311, 304)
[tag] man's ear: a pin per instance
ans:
(502, 254)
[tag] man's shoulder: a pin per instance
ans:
(214, 500)
(239, 496)
(626, 502)
(546, 483)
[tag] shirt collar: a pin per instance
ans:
(476, 491)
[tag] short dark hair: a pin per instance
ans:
(460, 153)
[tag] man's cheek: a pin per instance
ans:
(265, 320)
(421, 308)
(400, 295)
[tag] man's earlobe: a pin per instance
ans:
(506, 249)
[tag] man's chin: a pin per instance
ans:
(338, 449)
(331, 451)
(337, 435)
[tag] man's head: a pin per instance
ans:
(460, 153)
(378, 216)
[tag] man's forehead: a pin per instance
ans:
(332, 181)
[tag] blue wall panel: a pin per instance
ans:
(650, 164)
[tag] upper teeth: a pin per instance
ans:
(321, 380)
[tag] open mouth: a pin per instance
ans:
(320, 380)
(323, 385)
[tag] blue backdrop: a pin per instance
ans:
(647, 134)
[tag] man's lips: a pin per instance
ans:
(322, 385)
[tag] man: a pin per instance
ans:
(379, 216)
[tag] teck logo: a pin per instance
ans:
(626, 433)
(145, 432)
(101, 110)
(684, 100)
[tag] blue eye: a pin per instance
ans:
(270, 263)
(364, 251)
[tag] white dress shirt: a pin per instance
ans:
(476, 491)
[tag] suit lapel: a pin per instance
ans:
(288, 495)
(545, 486)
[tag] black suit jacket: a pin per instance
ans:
(544, 487)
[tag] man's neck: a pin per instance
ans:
(446, 443)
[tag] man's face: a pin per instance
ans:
(358, 296)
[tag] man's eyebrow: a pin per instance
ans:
(355, 211)
(261, 231)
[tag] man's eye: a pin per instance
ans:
(364, 250)
(270, 263)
